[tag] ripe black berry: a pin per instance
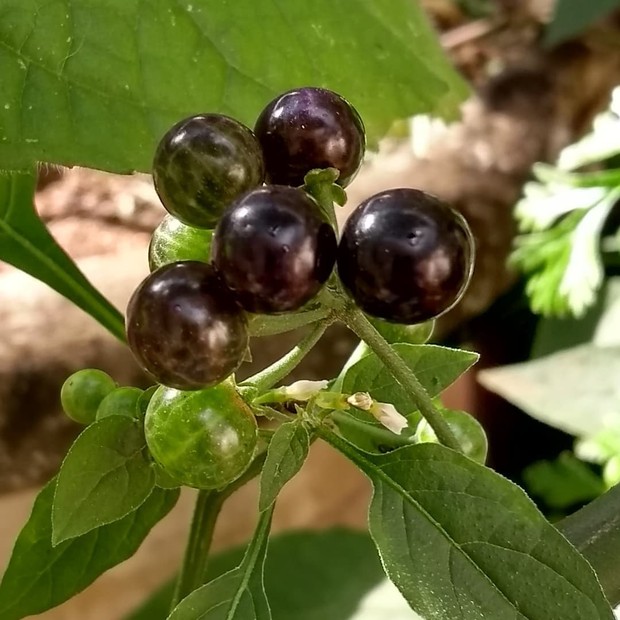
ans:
(274, 249)
(405, 256)
(185, 328)
(202, 164)
(310, 128)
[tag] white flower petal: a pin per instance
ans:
(388, 416)
(304, 390)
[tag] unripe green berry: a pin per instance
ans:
(82, 393)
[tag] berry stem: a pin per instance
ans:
(356, 321)
(273, 374)
(206, 511)
(267, 325)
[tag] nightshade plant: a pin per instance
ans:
(458, 540)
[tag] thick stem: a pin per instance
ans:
(273, 374)
(357, 322)
(595, 531)
(206, 512)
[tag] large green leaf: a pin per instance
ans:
(238, 594)
(26, 244)
(40, 576)
(435, 367)
(460, 541)
(333, 571)
(97, 82)
(105, 476)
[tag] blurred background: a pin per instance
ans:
(534, 165)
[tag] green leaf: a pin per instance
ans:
(26, 244)
(105, 476)
(333, 571)
(460, 541)
(98, 82)
(287, 452)
(564, 482)
(40, 576)
(575, 390)
(573, 16)
(238, 594)
(435, 367)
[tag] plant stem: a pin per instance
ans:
(386, 437)
(357, 322)
(595, 531)
(263, 325)
(206, 511)
(273, 374)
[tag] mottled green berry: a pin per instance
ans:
(204, 163)
(174, 241)
(204, 439)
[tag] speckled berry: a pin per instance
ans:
(185, 328)
(309, 128)
(202, 164)
(405, 256)
(274, 248)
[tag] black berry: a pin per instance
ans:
(202, 164)
(274, 249)
(310, 128)
(405, 256)
(185, 328)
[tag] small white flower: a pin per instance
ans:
(304, 390)
(387, 415)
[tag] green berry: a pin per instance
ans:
(204, 439)
(82, 393)
(174, 241)
(122, 401)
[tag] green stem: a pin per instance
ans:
(595, 531)
(206, 511)
(273, 374)
(357, 322)
(263, 325)
(383, 435)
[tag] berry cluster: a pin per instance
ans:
(233, 245)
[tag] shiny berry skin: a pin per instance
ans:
(203, 439)
(185, 328)
(202, 164)
(274, 249)
(173, 241)
(405, 256)
(310, 128)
